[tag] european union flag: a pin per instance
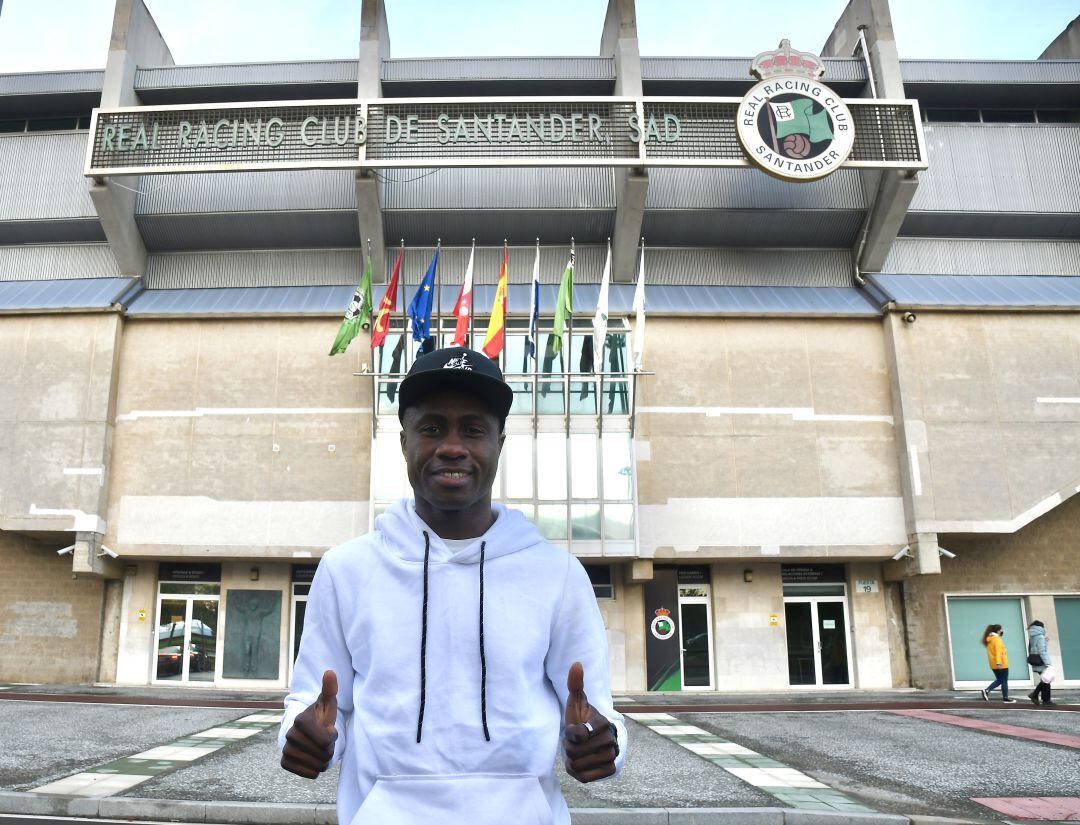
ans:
(420, 307)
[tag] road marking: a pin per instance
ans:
(122, 774)
(790, 786)
(1015, 731)
(1044, 808)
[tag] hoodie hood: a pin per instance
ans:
(1035, 631)
(401, 531)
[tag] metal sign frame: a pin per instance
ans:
(361, 161)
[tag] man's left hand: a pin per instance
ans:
(587, 739)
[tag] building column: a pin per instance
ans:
(1066, 46)
(374, 49)
(135, 41)
(889, 192)
(619, 41)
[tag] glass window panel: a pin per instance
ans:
(389, 477)
(583, 465)
(194, 588)
(585, 521)
(618, 467)
(952, 115)
(617, 398)
(551, 520)
(202, 650)
(1008, 116)
(615, 352)
(170, 639)
(1068, 622)
(551, 466)
(583, 398)
(813, 590)
(550, 400)
(12, 126)
(518, 458)
(619, 521)
(582, 355)
(52, 124)
(301, 589)
(968, 619)
(517, 361)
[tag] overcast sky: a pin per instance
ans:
(37, 35)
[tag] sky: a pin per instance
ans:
(42, 35)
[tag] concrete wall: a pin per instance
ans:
(992, 412)
(56, 391)
(1040, 558)
(748, 652)
(788, 426)
(50, 622)
(239, 438)
(626, 642)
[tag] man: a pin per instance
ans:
(445, 655)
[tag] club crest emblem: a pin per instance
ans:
(790, 125)
(662, 627)
(461, 363)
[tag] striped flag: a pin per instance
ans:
(463, 307)
(496, 331)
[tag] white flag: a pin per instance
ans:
(463, 307)
(783, 111)
(639, 309)
(599, 321)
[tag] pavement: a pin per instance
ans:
(206, 755)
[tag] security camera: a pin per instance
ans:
(943, 552)
(909, 317)
(903, 552)
(63, 551)
(105, 551)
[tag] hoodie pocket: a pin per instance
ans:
(455, 799)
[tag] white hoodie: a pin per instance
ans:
(364, 621)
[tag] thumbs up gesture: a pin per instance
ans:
(589, 743)
(309, 744)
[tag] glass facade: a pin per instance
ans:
(968, 619)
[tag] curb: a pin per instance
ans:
(247, 813)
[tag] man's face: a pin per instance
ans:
(451, 443)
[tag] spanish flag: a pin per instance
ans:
(387, 305)
(496, 331)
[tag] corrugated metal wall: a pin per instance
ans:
(246, 74)
(287, 267)
(753, 227)
(933, 256)
(736, 68)
(494, 188)
(1000, 168)
(990, 71)
(749, 189)
(53, 262)
(499, 68)
(42, 177)
(493, 226)
(247, 192)
(37, 83)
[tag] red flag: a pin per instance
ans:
(496, 331)
(463, 307)
(387, 306)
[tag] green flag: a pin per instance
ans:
(564, 305)
(797, 118)
(357, 315)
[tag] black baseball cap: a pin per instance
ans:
(456, 368)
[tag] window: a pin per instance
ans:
(1058, 115)
(1008, 116)
(602, 584)
(952, 115)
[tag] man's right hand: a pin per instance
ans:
(309, 744)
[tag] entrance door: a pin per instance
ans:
(817, 640)
(187, 639)
(299, 610)
(694, 636)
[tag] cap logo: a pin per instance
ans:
(461, 363)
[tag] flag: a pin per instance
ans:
(798, 118)
(387, 306)
(496, 331)
(534, 305)
(639, 309)
(358, 315)
(599, 321)
(463, 307)
(420, 306)
(564, 304)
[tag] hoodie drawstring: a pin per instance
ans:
(423, 644)
(483, 659)
(423, 639)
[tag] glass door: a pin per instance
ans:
(817, 640)
(171, 640)
(202, 640)
(695, 637)
(187, 639)
(299, 610)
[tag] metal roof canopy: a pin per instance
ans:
(62, 295)
(1000, 292)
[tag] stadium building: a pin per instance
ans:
(851, 441)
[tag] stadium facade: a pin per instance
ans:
(852, 442)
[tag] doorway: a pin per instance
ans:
(678, 629)
(817, 641)
(187, 638)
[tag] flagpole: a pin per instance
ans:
(472, 258)
(404, 314)
(568, 361)
(506, 256)
(535, 293)
(438, 297)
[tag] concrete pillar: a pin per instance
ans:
(1066, 46)
(889, 192)
(1042, 608)
(110, 630)
(134, 41)
(89, 559)
(374, 49)
(639, 571)
(912, 449)
(619, 41)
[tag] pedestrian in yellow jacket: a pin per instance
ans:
(998, 657)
